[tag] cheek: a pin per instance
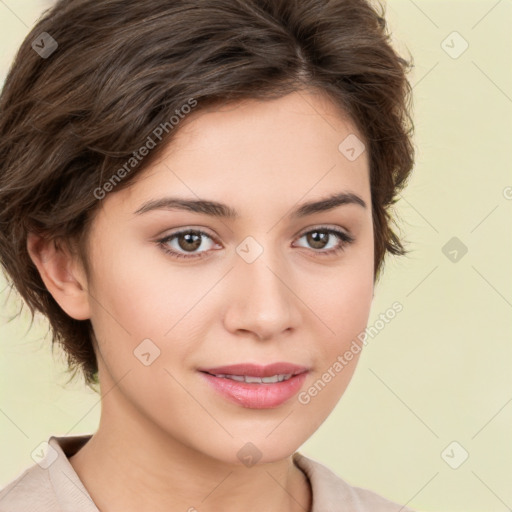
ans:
(140, 294)
(138, 290)
(143, 297)
(347, 316)
(342, 300)
(344, 310)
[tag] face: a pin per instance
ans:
(177, 292)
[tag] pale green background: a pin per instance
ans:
(440, 371)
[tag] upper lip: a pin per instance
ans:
(256, 370)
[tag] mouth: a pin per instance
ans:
(250, 379)
(254, 386)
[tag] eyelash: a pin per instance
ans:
(343, 237)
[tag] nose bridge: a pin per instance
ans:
(264, 274)
(264, 302)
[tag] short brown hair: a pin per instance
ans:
(120, 68)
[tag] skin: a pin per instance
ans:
(166, 440)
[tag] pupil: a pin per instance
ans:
(314, 236)
(192, 244)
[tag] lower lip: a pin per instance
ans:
(254, 395)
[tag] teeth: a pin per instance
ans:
(238, 378)
(258, 380)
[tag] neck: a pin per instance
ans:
(147, 469)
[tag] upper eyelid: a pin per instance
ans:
(321, 227)
(301, 233)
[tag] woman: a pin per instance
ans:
(196, 195)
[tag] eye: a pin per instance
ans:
(188, 240)
(321, 238)
(185, 243)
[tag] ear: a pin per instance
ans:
(62, 274)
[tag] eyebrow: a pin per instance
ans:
(222, 210)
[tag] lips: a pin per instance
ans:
(256, 386)
(254, 370)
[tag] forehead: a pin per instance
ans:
(271, 151)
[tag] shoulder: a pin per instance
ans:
(51, 484)
(30, 491)
(330, 492)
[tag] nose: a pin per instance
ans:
(262, 300)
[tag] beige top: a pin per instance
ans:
(52, 485)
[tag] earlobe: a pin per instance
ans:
(62, 275)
